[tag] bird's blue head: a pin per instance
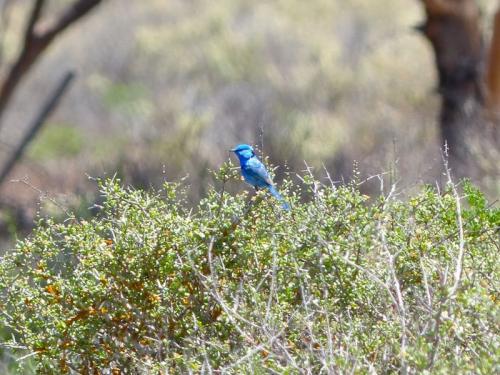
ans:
(243, 151)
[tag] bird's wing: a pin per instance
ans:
(258, 169)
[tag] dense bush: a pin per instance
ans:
(340, 283)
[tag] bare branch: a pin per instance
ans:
(72, 14)
(45, 111)
(461, 237)
(36, 42)
(36, 12)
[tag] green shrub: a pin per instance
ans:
(337, 284)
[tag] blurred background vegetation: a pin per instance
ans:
(163, 89)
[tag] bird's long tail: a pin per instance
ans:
(274, 192)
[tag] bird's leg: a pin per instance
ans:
(255, 199)
(256, 193)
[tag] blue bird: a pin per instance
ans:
(255, 173)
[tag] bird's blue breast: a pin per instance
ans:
(255, 173)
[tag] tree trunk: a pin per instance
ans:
(453, 29)
(493, 76)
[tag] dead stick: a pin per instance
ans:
(37, 124)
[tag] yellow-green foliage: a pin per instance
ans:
(338, 284)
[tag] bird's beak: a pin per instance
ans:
(232, 150)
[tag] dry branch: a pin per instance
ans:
(45, 111)
(36, 41)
